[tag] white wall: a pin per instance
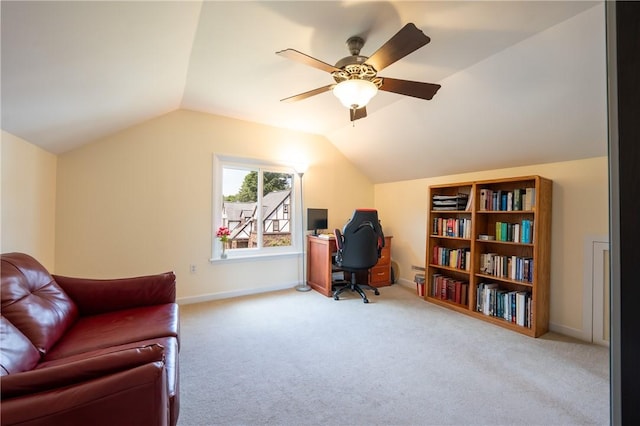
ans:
(28, 200)
(140, 201)
(580, 207)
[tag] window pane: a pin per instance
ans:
(256, 207)
(276, 208)
(240, 197)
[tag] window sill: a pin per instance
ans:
(255, 257)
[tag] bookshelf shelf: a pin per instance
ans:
(504, 280)
(449, 304)
(445, 237)
(508, 222)
(506, 212)
(508, 243)
(450, 269)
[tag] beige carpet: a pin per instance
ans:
(291, 358)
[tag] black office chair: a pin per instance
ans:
(359, 247)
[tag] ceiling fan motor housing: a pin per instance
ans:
(354, 44)
(351, 60)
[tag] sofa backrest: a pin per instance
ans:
(33, 302)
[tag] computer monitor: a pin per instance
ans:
(317, 219)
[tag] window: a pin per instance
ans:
(256, 202)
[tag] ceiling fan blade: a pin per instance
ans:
(405, 41)
(308, 94)
(357, 114)
(410, 88)
(307, 60)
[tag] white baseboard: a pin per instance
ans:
(406, 283)
(569, 331)
(230, 294)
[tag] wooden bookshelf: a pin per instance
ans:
(490, 258)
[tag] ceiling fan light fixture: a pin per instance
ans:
(355, 93)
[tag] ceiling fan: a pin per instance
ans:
(356, 77)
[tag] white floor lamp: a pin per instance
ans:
(302, 286)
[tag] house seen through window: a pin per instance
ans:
(256, 207)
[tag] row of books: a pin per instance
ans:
(451, 257)
(512, 267)
(518, 199)
(515, 232)
(451, 227)
(451, 289)
(450, 202)
(512, 306)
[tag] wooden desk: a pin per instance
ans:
(319, 259)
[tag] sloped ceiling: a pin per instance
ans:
(522, 82)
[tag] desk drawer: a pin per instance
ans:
(380, 275)
(385, 256)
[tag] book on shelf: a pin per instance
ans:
(527, 231)
(517, 199)
(449, 289)
(511, 267)
(515, 232)
(502, 200)
(469, 203)
(529, 199)
(459, 258)
(511, 305)
(451, 227)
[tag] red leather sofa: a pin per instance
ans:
(87, 352)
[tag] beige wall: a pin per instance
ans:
(139, 202)
(28, 200)
(580, 209)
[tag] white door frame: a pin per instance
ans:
(596, 292)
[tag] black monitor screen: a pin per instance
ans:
(317, 219)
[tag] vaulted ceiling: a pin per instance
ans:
(522, 82)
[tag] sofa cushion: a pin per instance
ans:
(171, 356)
(80, 370)
(33, 302)
(117, 328)
(18, 353)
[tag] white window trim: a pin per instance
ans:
(219, 162)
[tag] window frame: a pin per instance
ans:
(221, 161)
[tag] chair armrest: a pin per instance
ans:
(97, 296)
(136, 396)
(339, 238)
(79, 371)
(339, 247)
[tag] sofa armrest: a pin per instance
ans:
(97, 296)
(136, 396)
(78, 371)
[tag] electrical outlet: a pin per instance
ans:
(192, 268)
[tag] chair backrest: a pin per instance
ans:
(361, 240)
